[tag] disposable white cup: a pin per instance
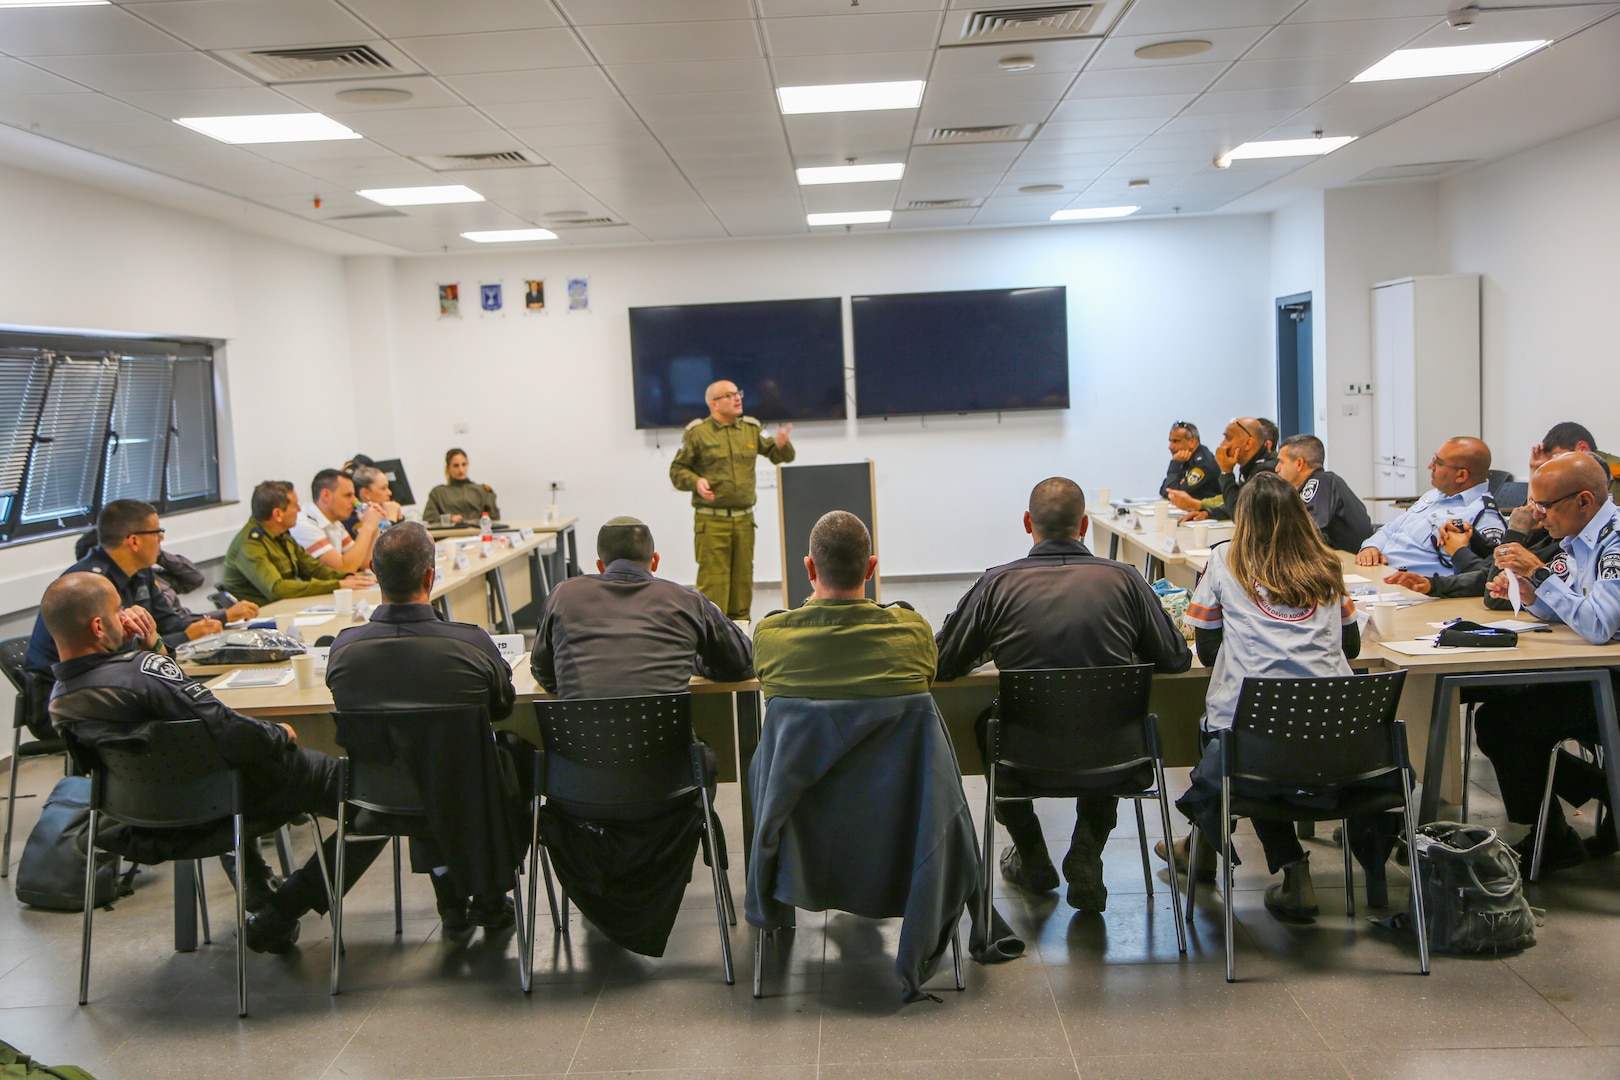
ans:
(343, 602)
(1383, 617)
(303, 666)
(1102, 500)
(1162, 508)
(286, 623)
(1200, 534)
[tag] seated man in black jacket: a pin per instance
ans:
(1337, 512)
(1059, 607)
(106, 693)
(405, 659)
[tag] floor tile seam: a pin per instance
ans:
(1570, 1020)
(377, 1004)
(584, 1029)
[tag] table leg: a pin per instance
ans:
(1113, 545)
(499, 581)
(1434, 761)
(185, 906)
(571, 568)
(745, 706)
(539, 585)
(1154, 569)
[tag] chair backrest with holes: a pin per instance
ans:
(179, 779)
(617, 751)
(1317, 732)
(1076, 720)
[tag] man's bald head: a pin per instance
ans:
(70, 608)
(724, 399)
(1057, 506)
(1460, 463)
(1569, 473)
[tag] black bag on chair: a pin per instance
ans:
(51, 874)
(1472, 893)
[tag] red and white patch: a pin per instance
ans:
(1560, 565)
(1281, 614)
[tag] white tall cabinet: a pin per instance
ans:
(1425, 374)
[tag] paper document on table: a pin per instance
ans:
(246, 678)
(1357, 579)
(320, 609)
(1197, 553)
(1513, 590)
(311, 620)
(1427, 647)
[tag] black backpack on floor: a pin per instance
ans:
(51, 874)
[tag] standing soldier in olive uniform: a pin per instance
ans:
(264, 563)
(716, 464)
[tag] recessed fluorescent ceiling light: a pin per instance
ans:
(50, 3)
(1449, 60)
(421, 196)
(1274, 148)
(851, 174)
(1094, 213)
(850, 217)
(850, 97)
(509, 236)
(269, 128)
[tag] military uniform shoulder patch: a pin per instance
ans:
(1308, 492)
(255, 533)
(695, 423)
(1194, 476)
(162, 667)
(751, 420)
(489, 489)
(1609, 566)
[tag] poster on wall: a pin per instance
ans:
(489, 296)
(579, 295)
(450, 301)
(534, 296)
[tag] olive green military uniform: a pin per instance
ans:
(834, 650)
(462, 497)
(724, 455)
(261, 568)
(1612, 463)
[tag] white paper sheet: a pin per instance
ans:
(311, 620)
(1513, 589)
(1357, 579)
(1427, 647)
(246, 678)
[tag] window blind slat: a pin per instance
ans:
(69, 440)
(140, 419)
(193, 470)
(22, 393)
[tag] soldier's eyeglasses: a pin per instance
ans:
(1538, 507)
(735, 393)
(148, 532)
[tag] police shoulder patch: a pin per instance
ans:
(1308, 492)
(162, 667)
(1609, 566)
(1492, 535)
(695, 423)
(1194, 476)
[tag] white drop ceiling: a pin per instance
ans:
(660, 115)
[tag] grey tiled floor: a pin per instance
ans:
(1096, 996)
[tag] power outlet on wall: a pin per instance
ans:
(1350, 408)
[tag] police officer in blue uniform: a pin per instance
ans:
(1580, 587)
(1453, 520)
(1192, 465)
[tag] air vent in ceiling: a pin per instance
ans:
(942, 204)
(1036, 22)
(366, 60)
(983, 133)
(493, 159)
(366, 215)
(1413, 172)
(584, 223)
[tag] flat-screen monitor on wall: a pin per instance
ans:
(988, 350)
(786, 356)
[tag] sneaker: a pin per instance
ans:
(1563, 849)
(1293, 899)
(1206, 857)
(271, 931)
(1039, 878)
(1083, 869)
(494, 917)
(453, 913)
(1603, 843)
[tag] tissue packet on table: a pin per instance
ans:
(1175, 599)
(240, 647)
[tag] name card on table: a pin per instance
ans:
(525, 534)
(1167, 544)
(510, 646)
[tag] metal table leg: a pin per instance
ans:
(499, 582)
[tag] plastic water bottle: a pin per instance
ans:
(486, 534)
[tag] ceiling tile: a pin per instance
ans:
(697, 229)
(1176, 18)
(1322, 72)
(701, 76)
(518, 50)
(627, 133)
(844, 134)
(1039, 160)
(851, 67)
(1495, 26)
(1147, 81)
(1017, 112)
(576, 113)
(426, 93)
(1371, 38)
(1014, 213)
(19, 77)
(727, 147)
(515, 87)
(27, 110)
(786, 8)
(1075, 130)
(648, 43)
(931, 219)
(1041, 88)
(256, 24)
(297, 153)
(357, 175)
(242, 101)
(1122, 108)
(412, 18)
(1361, 107)
(603, 12)
(655, 108)
(777, 164)
(1345, 10)
(73, 31)
(470, 141)
(1234, 126)
(852, 32)
(577, 161)
(188, 70)
(981, 154)
(1243, 101)
(984, 61)
(1227, 45)
(759, 125)
(1072, 185)
(148, 132)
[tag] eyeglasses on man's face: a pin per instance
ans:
(728, 394)
(1538, 507)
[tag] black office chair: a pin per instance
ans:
(180, 785)
(1604, 821)
(1323, 737)
(1077, 733)
(1495, 478)
(379, 798)
(12, 653)
(609, 753)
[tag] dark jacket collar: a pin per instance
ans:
(114, 573)
(64, 670)
(621, 569)
(1059, 546)
(404, 613)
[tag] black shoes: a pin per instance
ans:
(1041, 877)
(1562, 849)
(271, 931)
(494, 916)
(459, 916)
(1083, 869)
(261, 884)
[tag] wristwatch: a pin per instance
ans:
(1539, 576)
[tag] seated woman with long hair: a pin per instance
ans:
(1272, 604)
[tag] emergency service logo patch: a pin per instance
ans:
(1492, 536)
(1560, 565)
(1609, 567)
(162, 667)
(1308, 492)
(1195, 476)
(1278, 611)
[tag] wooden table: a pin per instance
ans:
(1155, 549)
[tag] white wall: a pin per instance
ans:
(1167, 320)
(84, 259)
(1543, 228)
(1298, 265)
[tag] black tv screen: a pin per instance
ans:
(987, 350)
(786, 356)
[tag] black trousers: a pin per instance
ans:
(310, 786)
(1517, 729)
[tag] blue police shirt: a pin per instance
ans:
(1411, 540)
(1584, 589)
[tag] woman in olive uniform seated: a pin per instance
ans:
(459, 497)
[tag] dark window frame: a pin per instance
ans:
(28, 423)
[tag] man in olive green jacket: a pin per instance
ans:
(716, 464)
(264, 563)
